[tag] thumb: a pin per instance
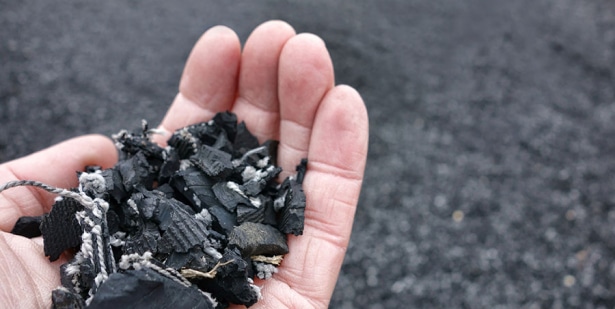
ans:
(55, 166)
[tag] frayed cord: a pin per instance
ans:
(85, 200)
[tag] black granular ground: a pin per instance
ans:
(175, 226)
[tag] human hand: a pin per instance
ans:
(282, 86)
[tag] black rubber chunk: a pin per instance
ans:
(255, 186)
(292, 221)
(114, 184)
(293, 213)
(146, 204)
(130, 144)
(84, 278)
(231, 281)
(206, 133)
(170, 164)
(224, 220)
(269, 214)
(146, 288)
(196, 187)
(223, 143)
(146, 239)
(272, 151)
(164, 208)
(177, 260)
(65, 299)
(113, 221)
(65, 279)
(214, 162)
(128, 216)
(156, 206)
(183, 233)
(301, 170)
(229, 194)
(28, 226)
(244, 140)
(60, 228)
(258, 239)
(136, 172)
(184, 143)
(253, 212)
(166, 189)
(227, 122)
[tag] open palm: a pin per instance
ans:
(282, 85)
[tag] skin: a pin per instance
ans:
(282, 85)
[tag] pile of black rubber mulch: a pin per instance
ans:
(189, 225)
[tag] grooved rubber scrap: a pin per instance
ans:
(183, 233)
(212, 161)
(60, 228)
(258, 239)
(28, 226)
(254, 212)
(196, 187)
(156, 206)
(146, 289)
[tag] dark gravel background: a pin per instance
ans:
(492, 150)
